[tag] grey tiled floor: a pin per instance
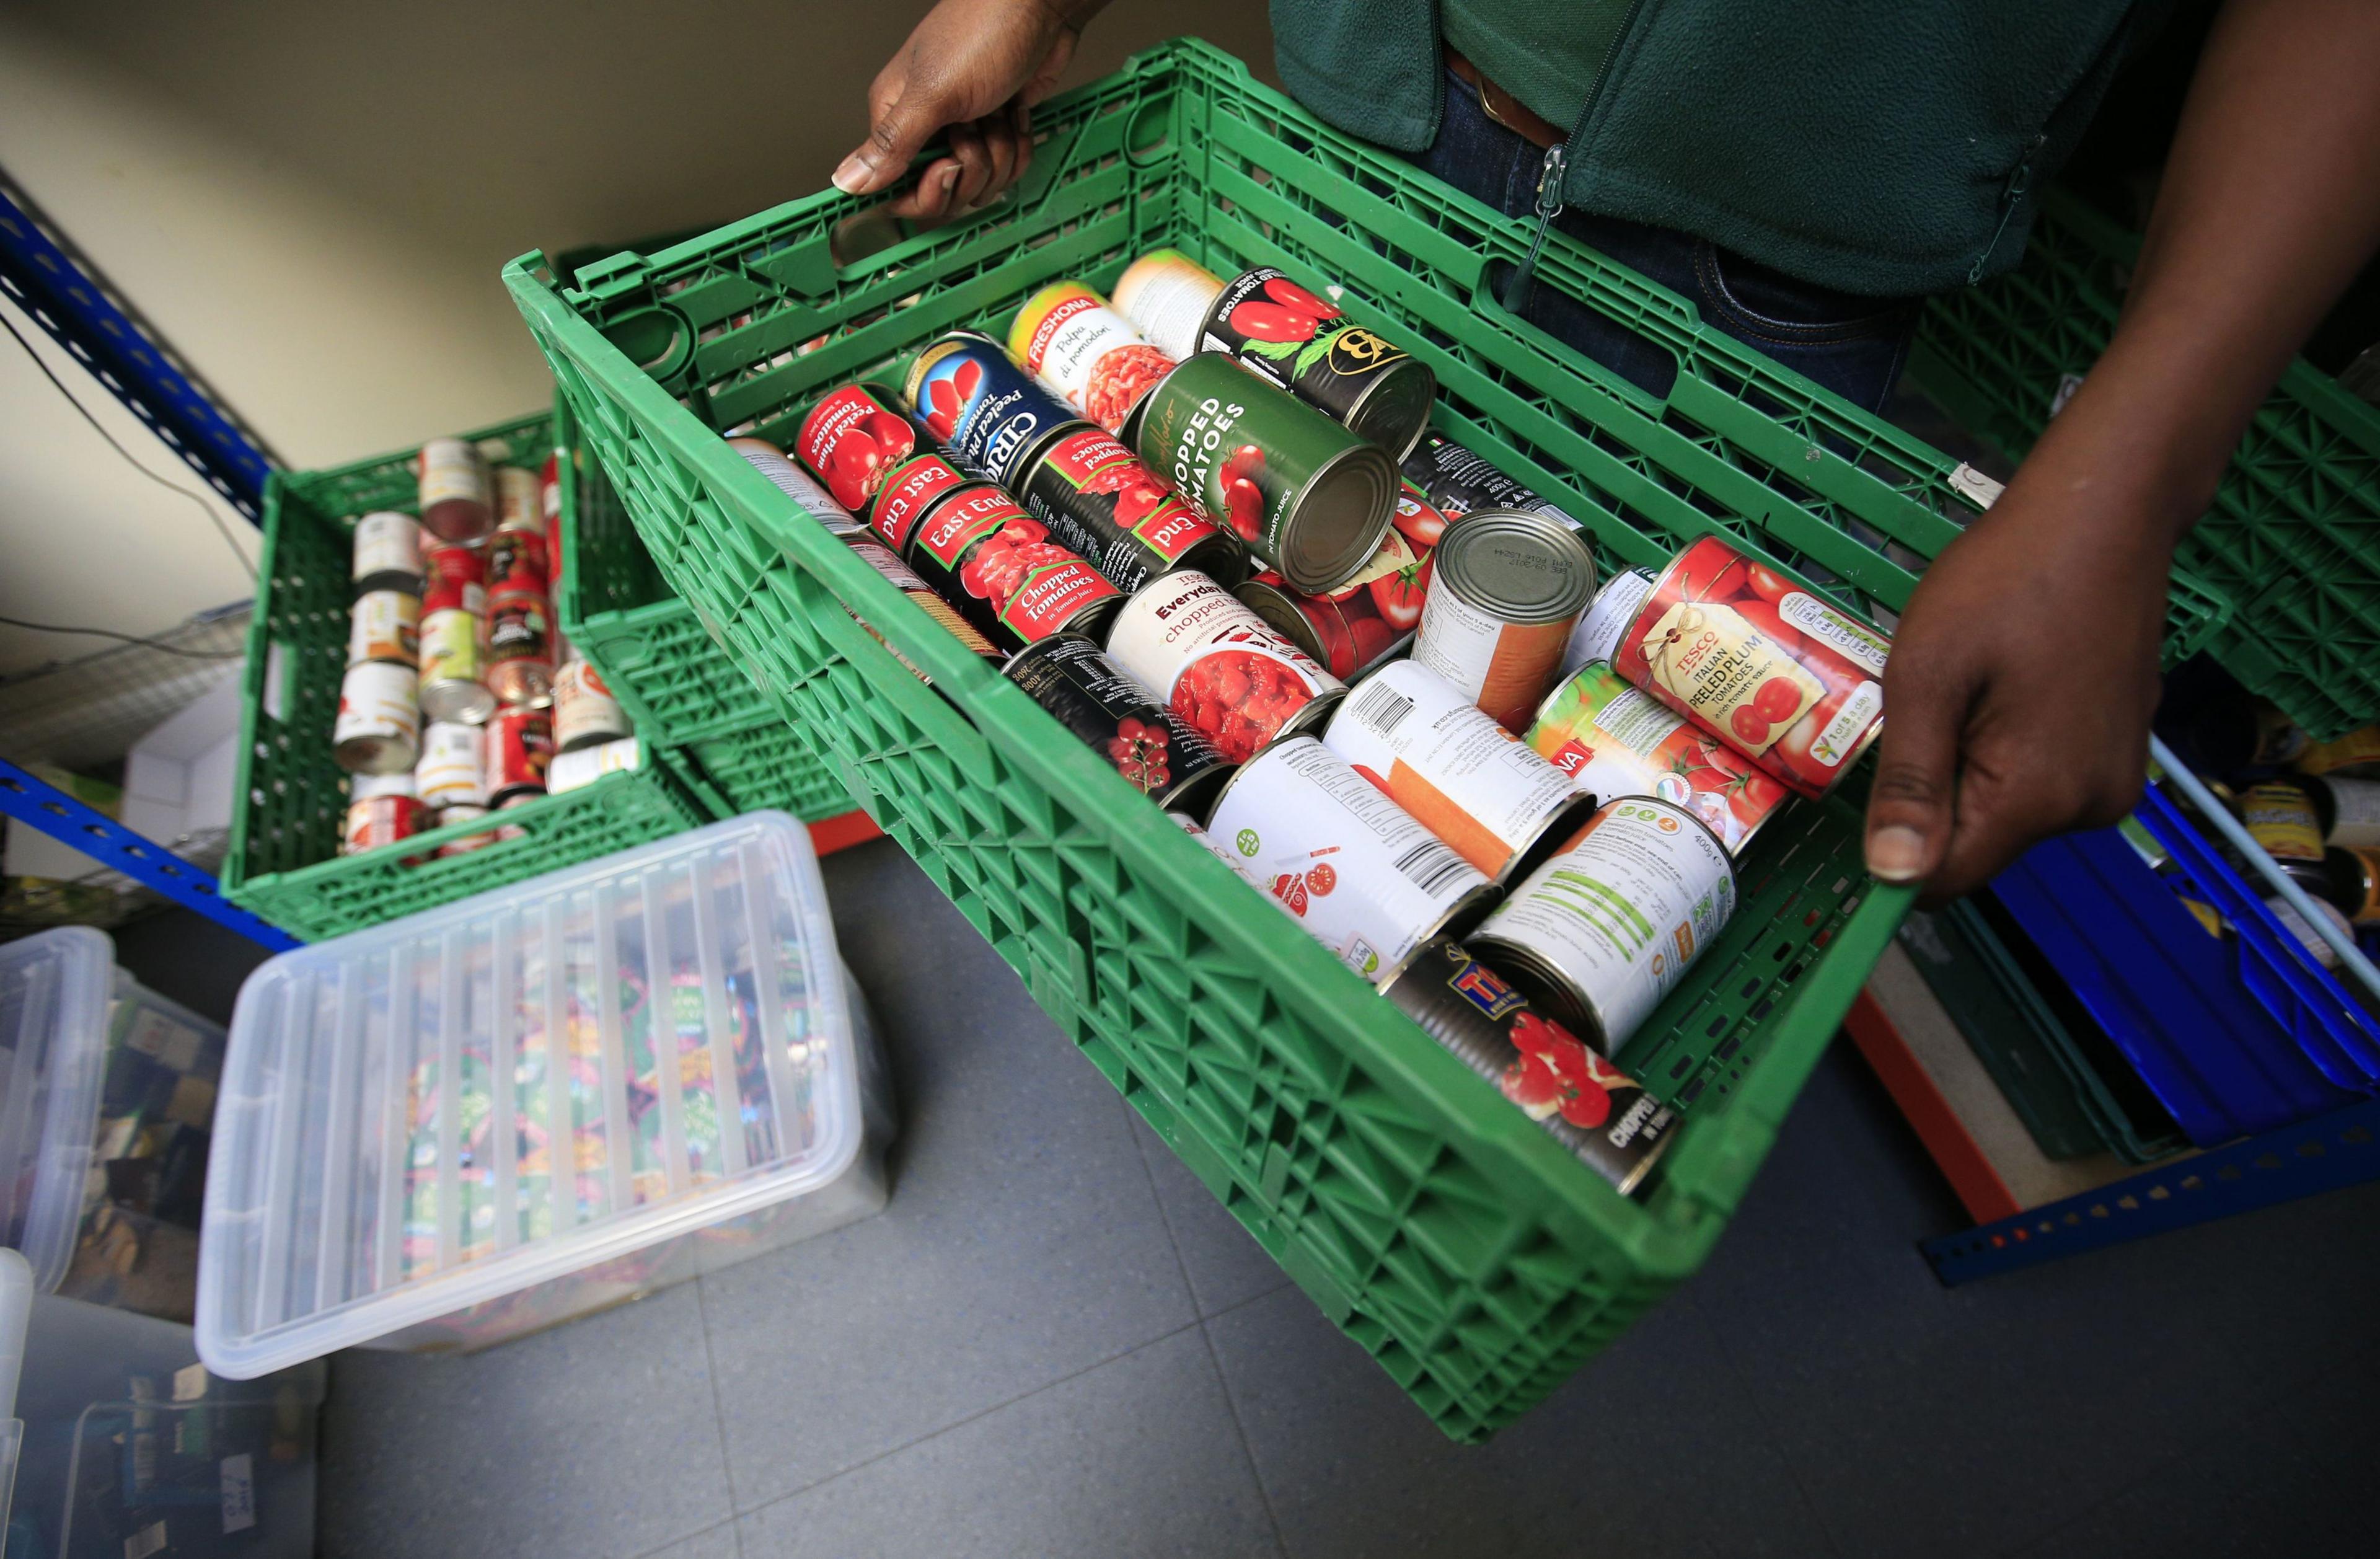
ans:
(1053, 1342)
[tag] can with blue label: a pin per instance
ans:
(990, 415)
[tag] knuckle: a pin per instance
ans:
(1908, 784)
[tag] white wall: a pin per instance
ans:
(312, 201)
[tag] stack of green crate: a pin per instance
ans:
(722, 733)
(291, 797)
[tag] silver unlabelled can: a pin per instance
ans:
(1597, 935)
(1509, 585)
(378, 727)
(451, 771)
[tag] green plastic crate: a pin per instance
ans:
(1458, 1244)
(284, 862)
(2293, 537)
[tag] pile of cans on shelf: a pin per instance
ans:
(1208, 530)
(461, 697)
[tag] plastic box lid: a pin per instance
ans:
(355, 1187)
(55, 991)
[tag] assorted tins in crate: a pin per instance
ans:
(1394, 701)
(460, 697)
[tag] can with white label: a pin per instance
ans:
(454, 491)
(1166, 296)
(1461, 775)
(1228, 672)
(571, 770)
(1068, 338)
(379, 723)
(1612, 739)
(804, 489)
(388, 552)
(1508, 586)
(1597, 935)
(1354, 867)
(518, 505)
(385, 625)
(451, 771)
(585, 712)
(1607, 617)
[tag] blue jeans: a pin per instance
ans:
(1854, 346)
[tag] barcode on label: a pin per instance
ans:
(1382, 708)
(1431, 865)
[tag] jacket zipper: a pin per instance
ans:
(1556, 167)
(2020, 181)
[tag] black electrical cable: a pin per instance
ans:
(207, 509)
(128, 639)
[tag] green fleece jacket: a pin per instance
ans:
(1888, 147)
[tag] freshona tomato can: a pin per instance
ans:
(1068, 338)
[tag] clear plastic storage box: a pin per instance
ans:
(55, 996)
(675, 1017)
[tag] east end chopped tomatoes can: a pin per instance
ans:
(1275, 328)
(1148, 745)
(1068, 338)
(1463, 776)
(1613, 740)
(1223, 669)
(853, 440)
(1756, 658)
(985, 556)
(1097, 498)
(1508, 586)
(1362, 878)
(1602, 1116)
(988, 414)
(1599, 933)
(920, 484)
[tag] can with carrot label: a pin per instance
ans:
(1219, 665)
(1613, 740)
(1068, 338)
(385, 625)
(1509, 585)
(1463, 776)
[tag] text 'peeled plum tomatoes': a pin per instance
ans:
(1759, 660)
(853, 440)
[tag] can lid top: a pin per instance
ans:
(1525, 567)
(1335, 524)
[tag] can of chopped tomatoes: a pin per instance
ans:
(520, 648)
(1600, 932)
(1612, 738)
(1372, 615)
(1600, 1115)
(519, 750)
(1068, 338)
(1275, 328)
(585, 712)
(984, 555)
(378, 728)
(382, 818)
(452, 491)
(1507, 587)
(1362, 877)
(1752, 656)
(807, 494)
(452, 771)
(1308, 496)
(1225, 670)
(1097, 498)
(1463, 776)
(387, 554)
(1457, 482)
(1091, 696)
(1167, 295)
(920, 484)
(988, 414)
(853, 440)
(385, 625)
(517, 563)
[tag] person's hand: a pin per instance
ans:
(2018, 694)
(973, 67)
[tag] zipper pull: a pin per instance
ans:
(2020, 181)
(1549, 206)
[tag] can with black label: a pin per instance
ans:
(1600, 1115)
(989, 415)
(1458, 482)
(1098, 499)
(1091, 696)
(1275, 328)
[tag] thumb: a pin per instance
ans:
(1911, 803)
(900, 128)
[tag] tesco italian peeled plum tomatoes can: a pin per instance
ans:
(997, 564)
(1599, 933)
(853, 440)
(1097, 498)
(1756, 658)
(1613, 738)
(1068, 338)
(1150, 746)
(1223, 669)
(1308, 496)
(1278, 330)
(1603, 1117)
(1507, 587)
(1356, 870)
(988, 414)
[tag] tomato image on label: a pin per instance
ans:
(1399, 595)
(1139, 751)
(853, 442)
(1556, 1075)
(1243, 496)
(1240, 698)
(946, 397)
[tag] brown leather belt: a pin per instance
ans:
(1502, 106)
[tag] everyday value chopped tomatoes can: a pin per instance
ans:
(1219, 665)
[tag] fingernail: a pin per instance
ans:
(1896, 854)
(849, 177)
(950, 176)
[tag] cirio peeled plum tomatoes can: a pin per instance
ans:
(988, 414)
(1757, 659)
(1601, 1116)
(1463, 776)
(853, 440)
(1225, 670)
(519, 750)
(995, 563)
(1150, 746)
(1303, 494)
(1299, 340)
(1507, 587)
(1362, 878)
(1101, 501)
(1599, 933)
